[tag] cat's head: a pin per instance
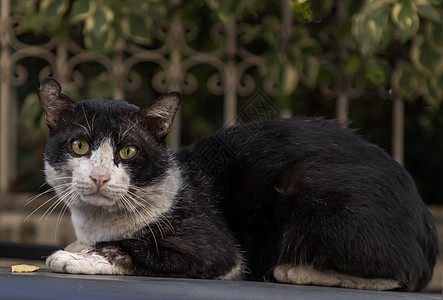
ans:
(108, 153)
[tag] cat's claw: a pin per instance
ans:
(86, 262)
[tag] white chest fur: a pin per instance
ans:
(93, 224)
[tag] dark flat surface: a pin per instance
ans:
(26, 251)
(47, 285)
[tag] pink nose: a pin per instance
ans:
(99, 179)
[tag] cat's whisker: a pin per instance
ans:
(120, 205)
(137, 197)
(155, 239)
(40, 206)
(146, 200)
(126, 205)
(119, 139)
(133, 209)
(68, 197)
(60, 217)
(140, 200)
(160, 229)
(52, 189)
(50, 182)
(86, 129)
(92, 123)
(63, 211)
(89, 129)
(127, 130)
(150, 212)
(163, 221)
(30, 200)
(43, 184)
(168, 224)
(54, 205)
(136, 211)
(61, 199)
(49, 211)
(59, 178)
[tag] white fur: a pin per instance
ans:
(307, 275)
(116, 210)
(81, 263)
(236, 272)
(102, 161)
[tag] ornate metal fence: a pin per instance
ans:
(175, 57)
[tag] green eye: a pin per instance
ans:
(80, 146)
(128, 152)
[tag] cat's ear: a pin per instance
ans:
(159, 115)
(57, 107)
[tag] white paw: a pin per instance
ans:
(76, 247)
(307, 275)
(85, 262)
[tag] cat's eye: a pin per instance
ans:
(80, 146)
(128, 152)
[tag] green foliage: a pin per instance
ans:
(370, 29)
(303, 11)
(366, 37)
(404, 15)
(333, 44)
(370, 25)
(103, 21)
(381, 23)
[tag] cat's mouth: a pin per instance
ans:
(98, 199)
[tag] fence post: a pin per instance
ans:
(174, 74)
(61, 62)
(342, 109)
(118, 70)
(230, 73)
(5, 98)
(398, 110)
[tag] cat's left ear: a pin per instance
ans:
(160, 114)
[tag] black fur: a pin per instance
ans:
(296, 191)
(309, 191)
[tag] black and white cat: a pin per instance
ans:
(297, 200)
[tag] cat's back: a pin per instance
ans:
(315, 181)
(273, 144)
(253, 166)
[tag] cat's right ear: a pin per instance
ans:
(57, 107)
(159, 115)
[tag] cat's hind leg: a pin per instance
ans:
(307, 275)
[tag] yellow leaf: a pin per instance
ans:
(24, 268)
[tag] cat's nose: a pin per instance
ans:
(99, 179)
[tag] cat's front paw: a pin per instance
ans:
(76, 247)
(86, 262)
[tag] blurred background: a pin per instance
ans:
(375, 63)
